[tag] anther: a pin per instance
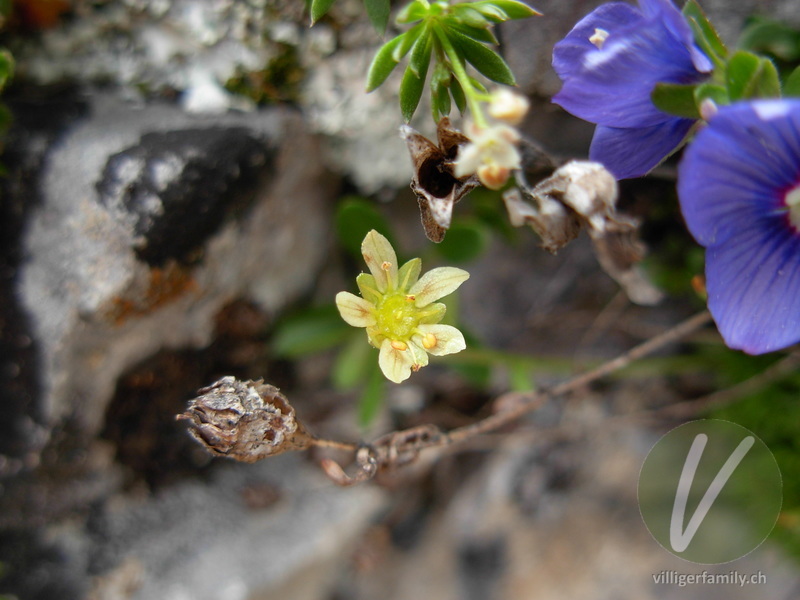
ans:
(599, 37)
(429, 341)
(398, 345)
(386, 265)
(410, 298)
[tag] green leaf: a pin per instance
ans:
(485, 60)
(410, 94)
(705, 35)
(712, 91)
(768, 84)
(478, 85)
(791, 88)
(411, 37)
(384, 63)
(773, 37)
(421, 55)
(372, 397)
(493, 13)
(354, 218)
(440, 103)
(412, 12)
(389, 55)
(749, 76)
(414, 77)
(310, 331)
(511, 8)
(319, 8)
(465, 14)
(458, 95)
(675, 99)
(378, 12)
(465, 241)
(482, 35)
(351, 367)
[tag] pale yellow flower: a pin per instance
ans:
(492, 154)
(506, 105)
(397, 308)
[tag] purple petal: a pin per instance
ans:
(568, 53)
(634, 152)
(666, 12)
(738, 169)
(753, 284)
(613, 86)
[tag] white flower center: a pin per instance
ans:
(792, 200)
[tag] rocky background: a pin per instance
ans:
(172, 171)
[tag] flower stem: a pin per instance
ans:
(473, 96)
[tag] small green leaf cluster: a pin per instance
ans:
(451, 36)
(741, 74)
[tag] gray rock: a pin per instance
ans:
(203, 542)
(96, 307)
(176, 186)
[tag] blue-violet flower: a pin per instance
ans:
(739, 189)
(610, 63)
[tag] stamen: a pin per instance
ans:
(429, 341)
(398, 345)
(386, 265)
(599, 37)
(410, 298)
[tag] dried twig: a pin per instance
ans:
(399, 447)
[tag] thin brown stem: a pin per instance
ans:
(334, 444)
(774, 372)
(522, 403)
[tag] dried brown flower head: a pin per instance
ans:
(244, 420)
(584, 195)
(434, 181)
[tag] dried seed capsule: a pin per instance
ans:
(244, 420)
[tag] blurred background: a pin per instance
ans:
(185, 187)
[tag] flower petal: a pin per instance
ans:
(448, 340)
(418, 354)
(674, 20)
(739, 167)
(611, 85)
(354, 310)
(436, 284)
(409, 274)
(395, 364)
(433, 313)
(469, 159)
(634, 152)
(368, 287)
(753, 283)
(568, 53)
(381, 260)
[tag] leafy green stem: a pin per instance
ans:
(472, 95)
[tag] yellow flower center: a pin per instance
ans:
(397, 317)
